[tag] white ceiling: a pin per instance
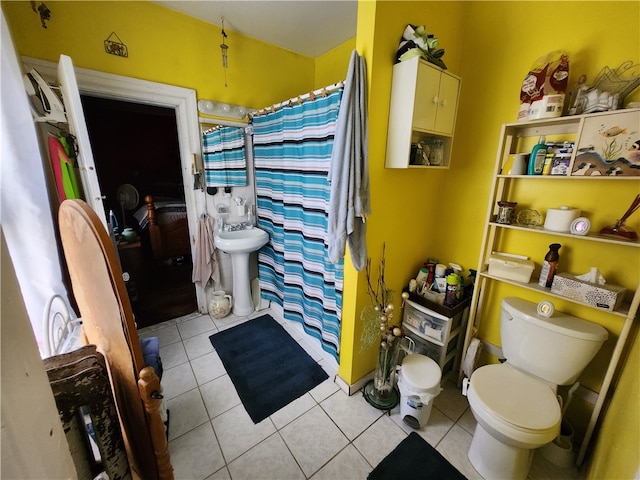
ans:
(307, 27)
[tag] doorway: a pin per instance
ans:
(135, 146)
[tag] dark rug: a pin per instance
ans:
(268, 367)
(414, 458)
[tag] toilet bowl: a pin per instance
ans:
(515, 403)
(515, 414)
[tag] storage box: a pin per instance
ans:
(426, 322)
(510, 268)
(607, 297)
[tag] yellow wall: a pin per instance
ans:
(402, 202)
(616, 449)
(332, 66)
(164, 46)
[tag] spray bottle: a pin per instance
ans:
(549, 266)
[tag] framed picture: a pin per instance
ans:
(609, 145)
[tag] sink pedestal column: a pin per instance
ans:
(242, 300)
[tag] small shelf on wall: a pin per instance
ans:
(423, 108)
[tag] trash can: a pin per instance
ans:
(419, 384)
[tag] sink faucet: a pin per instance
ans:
(233, 227)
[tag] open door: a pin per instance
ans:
(110, 86)
(78, 128)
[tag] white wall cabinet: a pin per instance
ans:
(424, 103)
(514, 187)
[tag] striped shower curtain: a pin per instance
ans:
(224, 157)
(292, 152)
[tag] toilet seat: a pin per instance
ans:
(514, 402)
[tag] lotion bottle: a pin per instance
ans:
(537, 157)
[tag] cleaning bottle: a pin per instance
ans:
(451, 295)
(549, 266)
(537, 157)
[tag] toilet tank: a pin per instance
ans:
(555, 349)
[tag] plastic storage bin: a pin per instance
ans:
(419, 384)
(511, 268)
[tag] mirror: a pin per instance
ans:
(224, 156)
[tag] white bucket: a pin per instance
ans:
(419, 385)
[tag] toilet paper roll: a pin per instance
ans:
(471, 358)
(559, 219)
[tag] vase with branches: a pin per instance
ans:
(378, 325)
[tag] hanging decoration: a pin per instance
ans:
(43, 11)
(115, 47)
(224, 48)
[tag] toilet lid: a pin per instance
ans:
(420, 371)
(515, 397)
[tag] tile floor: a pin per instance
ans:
(325, 434)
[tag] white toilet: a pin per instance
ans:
(515, 403)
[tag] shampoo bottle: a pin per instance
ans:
(537, 157)
(549, 266)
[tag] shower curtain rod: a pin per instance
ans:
(299, 99)
(202, 121)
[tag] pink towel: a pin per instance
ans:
(205, 265)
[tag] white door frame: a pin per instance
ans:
(182, 100)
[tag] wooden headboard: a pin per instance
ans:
(170, 240)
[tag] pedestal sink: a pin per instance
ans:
(239, 244)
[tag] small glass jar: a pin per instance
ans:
(506, 212)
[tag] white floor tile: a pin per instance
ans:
(196, 326)
(379, 440)
(207, 367)
(219, 395)
(324, 390)
(313, 439)
(237, 433)
(270, 459)
(468, 421)
(228, 321)
(352, 414)
(167, 335)
(173, 355)
(186, 413)
(292, 411)
(196, 454)
(454, 447)
(198, 345)
(348, 464)
(450, 401)
(178, 380)
(222, 474)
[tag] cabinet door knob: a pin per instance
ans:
(435, 100)
(443, 103)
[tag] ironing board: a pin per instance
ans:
(108, 324)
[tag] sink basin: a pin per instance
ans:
(241, 241)
(239, 244)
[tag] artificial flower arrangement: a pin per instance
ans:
(378, 323)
